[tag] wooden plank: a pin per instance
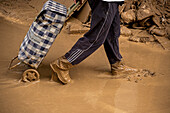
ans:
(165, 43)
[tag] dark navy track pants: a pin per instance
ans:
(105, 29)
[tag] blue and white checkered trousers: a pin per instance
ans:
(42, 33)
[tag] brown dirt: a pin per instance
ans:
(24, 11)
(93, 90)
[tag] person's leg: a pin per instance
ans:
(102, 18)
(111, 46)
(111, 43)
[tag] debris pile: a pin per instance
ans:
(151, 19)
(152, 15)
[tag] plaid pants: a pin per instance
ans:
(105, 29)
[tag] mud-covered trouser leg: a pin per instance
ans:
(102, 18)
(111, 43)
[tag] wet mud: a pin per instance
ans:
(94, 89)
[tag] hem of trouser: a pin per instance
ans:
(77, 53)
(74, 55)
(68, 60)
(115, 62)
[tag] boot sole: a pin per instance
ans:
(58, 74)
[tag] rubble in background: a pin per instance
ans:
(128, 16)
(74, 26)
(125, 31)
(152, 17)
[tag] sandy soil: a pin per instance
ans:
(94, 90)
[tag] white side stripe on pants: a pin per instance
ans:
(76, 52)
(75, 57)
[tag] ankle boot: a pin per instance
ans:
(119, 68)
(61, 67)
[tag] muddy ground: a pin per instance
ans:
(94, 90)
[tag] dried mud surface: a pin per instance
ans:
(94, 90)
(24, 11)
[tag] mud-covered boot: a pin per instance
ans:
(119, 69)
(61, 67)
